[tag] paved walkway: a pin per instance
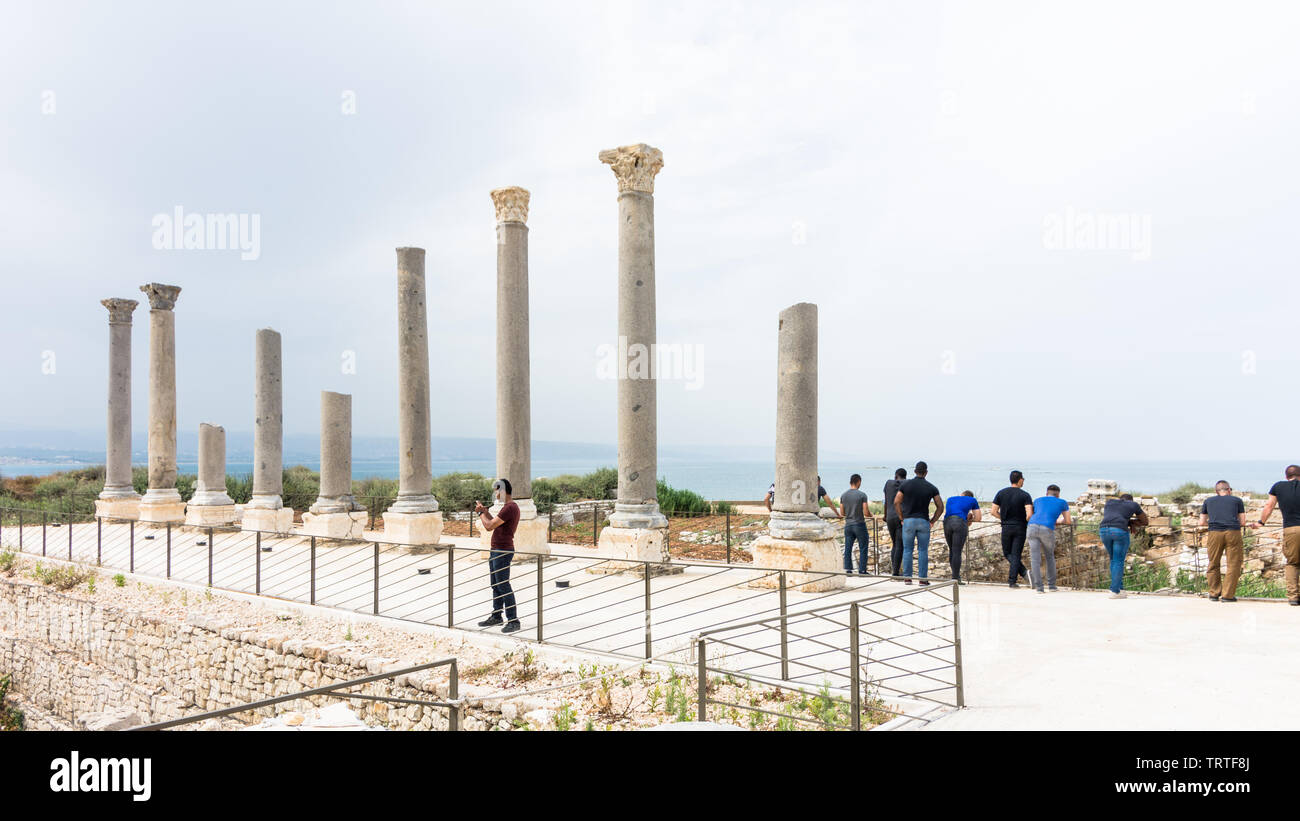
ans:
(1078, 660)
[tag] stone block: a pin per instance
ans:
(118, 508)
(530, 538)
(268, 521)
(334, 525)
(412, 528)
(161, 512)
(210, 515)
(813, 557)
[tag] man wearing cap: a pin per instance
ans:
(501, 555)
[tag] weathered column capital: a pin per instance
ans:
(161, 297)
(119, 310)
(635, 166)
(511, 204)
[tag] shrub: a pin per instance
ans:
(673, 500)
(8, 561)
(459, 491)
(11, 718)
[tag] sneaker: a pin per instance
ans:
(1014, 586)
(491, 621)
(1041, 590)
(1054, 589)
(907, 581)
(511, 627)
(1120, 595)
(924, 583)
(1293, 602)
(1214, 598)
(1225, 598)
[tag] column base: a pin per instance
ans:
(821, 561)
(267, 521)
(162, 506)
(414, 529)
(210, 515)
(117, 508)
(350, 525)
(634, 549)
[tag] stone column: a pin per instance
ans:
(118, 498)
(514, 413)
(211, 505)
(636, 527)
(798, 539)
(414, 518)
(335, 513)
(162, 502)
(266, 510)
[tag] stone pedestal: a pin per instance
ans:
(266, 520)
(118, 508)
(344, 525)
(161, 506)
(799, 542)
(210, 515)
(413, 529)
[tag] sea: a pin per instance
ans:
(744, 480)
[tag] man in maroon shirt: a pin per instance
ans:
(501, 555)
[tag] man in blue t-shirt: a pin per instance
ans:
(960, 510)
(1041, 536)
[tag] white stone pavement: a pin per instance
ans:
(1067, 660)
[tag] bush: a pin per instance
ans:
(8, 560)
(11, 718)
(459, 491)
(240, 488)
(301, 487)
(673, 501)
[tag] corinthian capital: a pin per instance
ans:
(511, 204)
(161, 297)
(635, 166)
(119, 310)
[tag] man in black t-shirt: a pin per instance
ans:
(1224, 515)
(894, 522)
(912, 504)
(1013, 507)
(1286, 494)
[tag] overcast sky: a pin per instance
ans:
(925, 172)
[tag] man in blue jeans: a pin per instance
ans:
(501, 555)
(1116, 518)
(912, 503)
(854, 505)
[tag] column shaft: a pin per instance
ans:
(796, 410)
(335, 454)
(117, 460)
(268, 423)
(514, 424)
(211, 488)
(415, 470)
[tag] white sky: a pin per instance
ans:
(921, 147)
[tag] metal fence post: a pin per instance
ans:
(451, 587)
(313, 570)
(541, 587)
(728, 535)
(69, 537)
(702, 679)
(43, 520)
(453, 695)
(549, 517)
(856, 698)
(376, 578)
(131, 565)
(210, 557)
(99, 541)
(169, 552)
(956, 646)
(20, 531)
(785, 643)
(645, 568)
(257, 564)
(594, 508)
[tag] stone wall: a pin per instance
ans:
(71, 660)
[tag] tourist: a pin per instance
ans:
(912, 503)
(1286, 494)
(1225, 515)
(1116, 518)
(893, 523)
(1041, 536)
(822, 495)
(856, 512)
(501, 555)
(962, 510)
(1013, 506)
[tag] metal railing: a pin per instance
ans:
(884, 656)
(453, 704)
